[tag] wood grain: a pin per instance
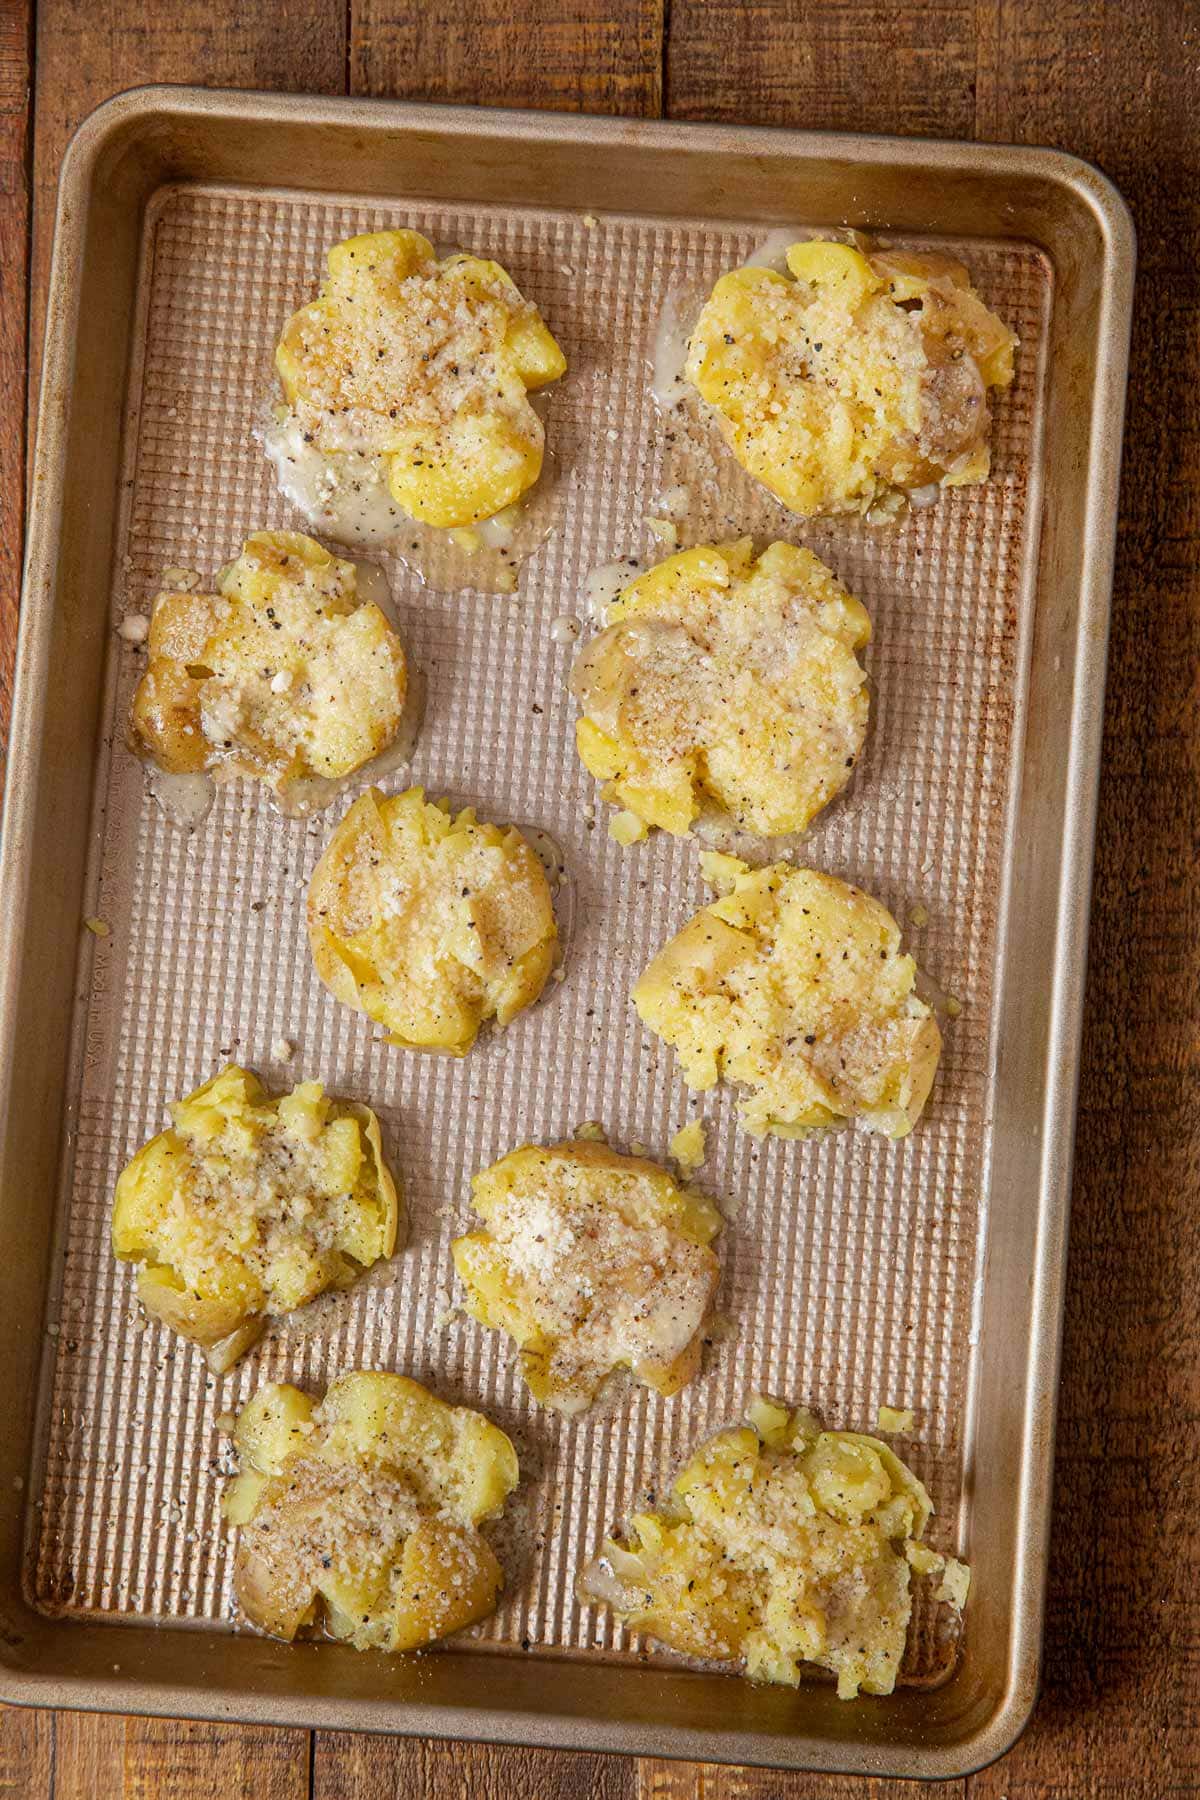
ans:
(851, 65)
(15, 178)
(26, 1754)
(89, 1755)
(593, 56)
(213, 1762)
(349, 1767)
(1118, 83)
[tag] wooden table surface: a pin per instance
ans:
(1116, 82)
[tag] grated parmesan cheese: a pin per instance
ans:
(593, 1261)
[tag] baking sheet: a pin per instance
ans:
(850, 1264)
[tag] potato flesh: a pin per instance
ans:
(783, 1544)
(426, 365)
(281, 676)
(793, 985)
(852, 376)
(364, 1509)
(250, 1206)
(591, 1261)
(429, 923)
(724, 680)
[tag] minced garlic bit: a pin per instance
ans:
(430, 923)
(728, 681)
(689, 1147)
(282, 1050)
(894, 1419)
(426, 366)
(665, 530)
(592, 1132)
(282, 675)
(853, 376)
(793, 985)
(592, 1261)
(362, 1512)
(782, 1544)
(98, 927)
(251, 1205)
(134, 628)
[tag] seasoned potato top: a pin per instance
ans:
(852, 376)
(794, 985)
(252, 1205)
(426, 364)
(429, 923)
(363, 1510)
(591, 1261)
(282, 675)
(783, 1544)
(728, 682)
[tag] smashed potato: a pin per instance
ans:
(782, 1544)
(429, 923)
(857, 376)
(793, 985)
(425, 365)
(282, 675)
(592, 1261)
(363, 1510)
(251, 1206)
(729, 682)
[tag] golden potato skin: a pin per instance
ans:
(281, 676)
(853, 376)
(782, 1544)
(729, 681)
(251, 1205)
(362, 1510)
(427, 365)
(430, 923)
(793, 985)
(591, 1261)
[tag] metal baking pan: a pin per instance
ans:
(928, 1273)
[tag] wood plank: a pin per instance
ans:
(89, 1756)
(26, 1754)
(15, 179)
(349, 1767)
(88, 50)
(212, 1762)
(592, 56)
(1119, 1709)
(850, 65)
